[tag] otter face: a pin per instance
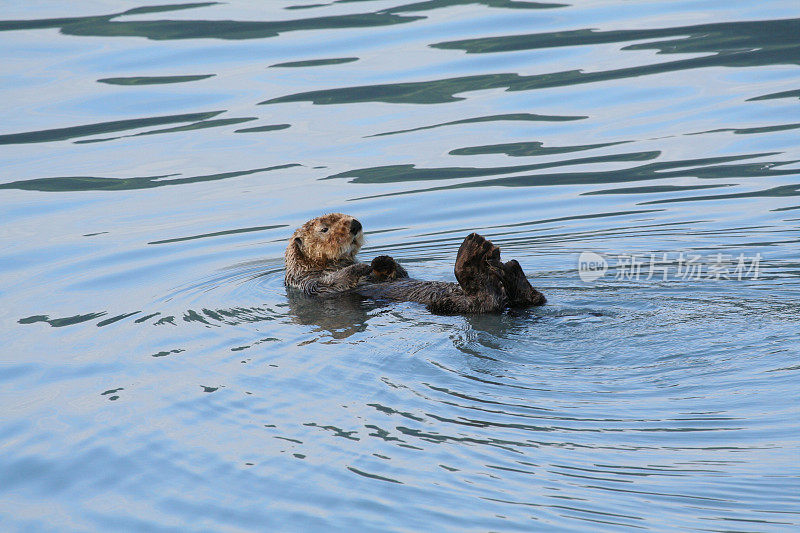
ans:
(329, 238)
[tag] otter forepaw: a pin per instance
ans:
(359, 270)
(385, 268)
(519, 290)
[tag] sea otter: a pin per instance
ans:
(320, 259)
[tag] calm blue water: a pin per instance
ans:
(155, 376)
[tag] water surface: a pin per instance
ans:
(157, 376)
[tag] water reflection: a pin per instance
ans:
(88, 183)
(106, 26)
(316, 62)
(61, 134)
(734, 44)
(709, 168)
(340, 316)
(154, 80)
(523, 117)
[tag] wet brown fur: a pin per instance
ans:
(321, 255)
(320, 259)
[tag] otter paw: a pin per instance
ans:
(519, 290)
(478, 267)
(359, 270)
(384, 268)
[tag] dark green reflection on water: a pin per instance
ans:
(656, 189)
(774, 96)
(61, 134)
(532, 148)
(491, 118)
(730, 44)
(773, 192)
(404, 173)
(708, 168)
(306, 6)
(61, 322)
(750, 131)
(270, 127)
(316, 62)
(218, 234)
(719, 38)
(89, 183)
(579, 217)
(154, 80)
(195, 126)
(426, 92)
(437, 4)
(105, 26)
(37, 24)
(201, 125)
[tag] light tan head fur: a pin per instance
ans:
(323, 243)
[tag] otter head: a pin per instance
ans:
(324, 241)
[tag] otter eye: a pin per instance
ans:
(324, 230)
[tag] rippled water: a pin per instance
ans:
(155, 158)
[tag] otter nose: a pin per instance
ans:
(355, 226)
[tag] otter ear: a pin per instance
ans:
(298, 243)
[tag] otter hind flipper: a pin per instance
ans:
(519, 290)
(480, 276)
(478, 267)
